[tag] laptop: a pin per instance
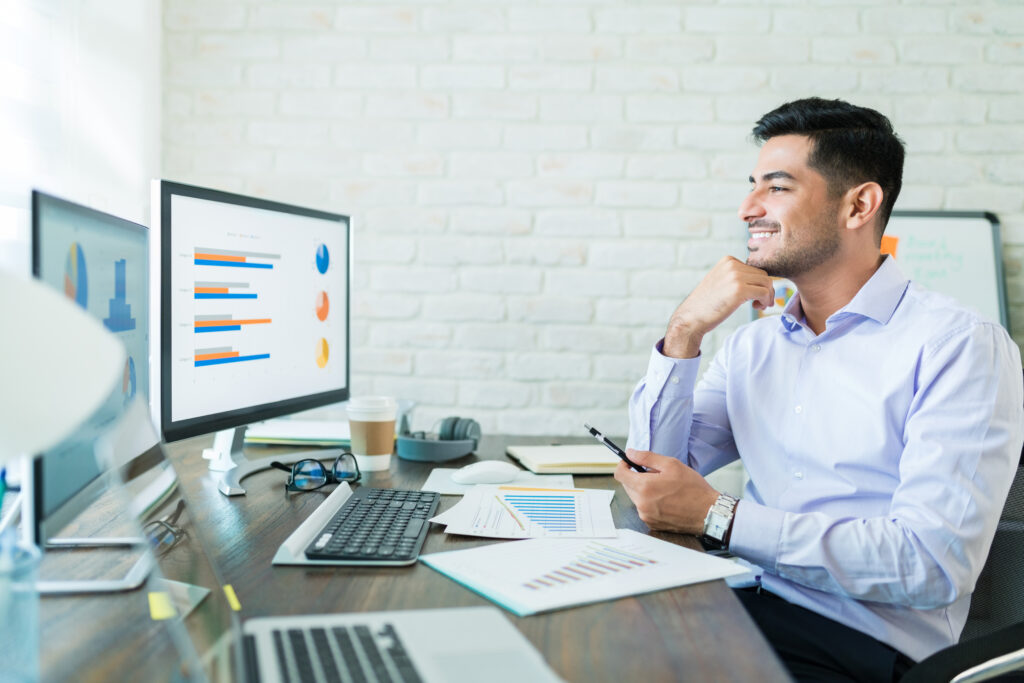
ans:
(449, 645)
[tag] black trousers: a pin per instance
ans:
(815, 648)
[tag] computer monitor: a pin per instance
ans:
(254, 314)
(100, 262)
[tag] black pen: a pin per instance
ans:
(613, 448)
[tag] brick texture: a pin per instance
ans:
(535, 186)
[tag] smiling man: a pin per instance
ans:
(880, 423)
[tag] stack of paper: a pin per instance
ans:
(527, 512)
(299, 432)
(545, 574)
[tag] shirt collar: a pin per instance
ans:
(877, 299)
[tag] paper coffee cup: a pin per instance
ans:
(371, 422)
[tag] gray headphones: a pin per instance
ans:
(456, 437)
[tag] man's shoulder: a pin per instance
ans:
(927, 305)
(937, 318)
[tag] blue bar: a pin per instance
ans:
(238, 359)
(232, 264)
(219, 328)
(225, 296)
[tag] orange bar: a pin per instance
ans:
(218, 323)
(211, 356)
(211, 290)
(219, 257)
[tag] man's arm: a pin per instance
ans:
(962, 440)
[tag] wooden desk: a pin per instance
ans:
(698, 633)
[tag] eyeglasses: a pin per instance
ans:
(164, 534)
(310, 474)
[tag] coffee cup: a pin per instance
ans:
(371, 422)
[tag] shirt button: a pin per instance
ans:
(798, 410)
(816, 347)
(674, 380)
(798, 475)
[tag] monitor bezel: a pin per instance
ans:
(45, 525)
(183, 429)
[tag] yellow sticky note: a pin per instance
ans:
(229, 592)
(160, 606)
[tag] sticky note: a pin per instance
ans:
(229, 592)
(890, 243)
(160, 606)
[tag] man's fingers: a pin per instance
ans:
(651, 461)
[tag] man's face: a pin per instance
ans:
(792, 220)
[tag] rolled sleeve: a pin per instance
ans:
(662, 404)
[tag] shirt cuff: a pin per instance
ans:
(671, 377)
(756, 533)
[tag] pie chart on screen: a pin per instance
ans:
(323, 305)
(128, 383)
(323, 258)
(322, 351)
(76, 284)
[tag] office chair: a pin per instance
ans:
(991, 646)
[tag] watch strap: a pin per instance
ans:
(718, 522)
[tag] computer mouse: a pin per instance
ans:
(486, 472)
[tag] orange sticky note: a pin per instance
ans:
(889, 245)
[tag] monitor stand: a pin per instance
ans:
(227, 456)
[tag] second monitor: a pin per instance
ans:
(254, 312)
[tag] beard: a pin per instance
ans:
(800, 254)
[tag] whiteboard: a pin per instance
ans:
(958, 253)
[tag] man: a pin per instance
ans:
(880, 423)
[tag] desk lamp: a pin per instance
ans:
(58, 368)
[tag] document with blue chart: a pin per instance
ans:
(529, 512)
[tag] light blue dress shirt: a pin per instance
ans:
(880, 452)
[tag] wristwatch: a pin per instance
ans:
(718, 521)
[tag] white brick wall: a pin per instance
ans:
(534, 187)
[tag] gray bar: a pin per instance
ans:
(232, 252)
(219, 349)
(226, 316)
(223, 284)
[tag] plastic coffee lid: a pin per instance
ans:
(372, 407)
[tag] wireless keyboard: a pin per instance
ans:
(377, 527)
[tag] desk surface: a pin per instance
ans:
(698, 632)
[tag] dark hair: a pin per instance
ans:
(850, 145)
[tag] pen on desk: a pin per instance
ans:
(613, 448)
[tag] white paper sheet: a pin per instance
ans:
(509, 511)
(544, 574)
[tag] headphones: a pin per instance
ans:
(456, 437)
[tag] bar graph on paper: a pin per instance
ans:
(595, 561)
(525, 512)
(543, 574)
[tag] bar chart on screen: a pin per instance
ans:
(544, 574)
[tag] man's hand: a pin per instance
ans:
(724, 289)
(670, 496)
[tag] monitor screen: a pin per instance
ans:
(100, 262)
(254, 309)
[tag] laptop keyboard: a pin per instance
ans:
(343, 653)
(377, 527)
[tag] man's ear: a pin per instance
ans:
(862, 204)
